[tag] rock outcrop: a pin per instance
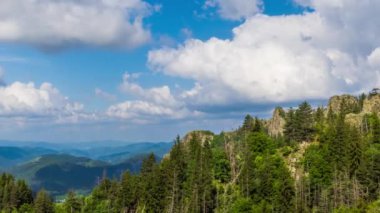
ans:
(202, 135)
(355, 119)
(335, 102)
(277, 123)
(372, 104)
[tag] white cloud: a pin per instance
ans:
(55, 23)
(150, 104)
(21, 98)
(26, 101)
(281, 58)
(159, 95)
(235, 9)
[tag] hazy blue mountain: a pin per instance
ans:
(118, 154)
(13, 153)
(61, 167)
(11, 156)
(62, 172)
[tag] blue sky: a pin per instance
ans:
(148, 70)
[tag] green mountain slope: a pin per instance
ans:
(61, 172)
(11, 156)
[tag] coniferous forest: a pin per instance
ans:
(304, 159)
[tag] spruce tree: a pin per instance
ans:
(375, 129)
(24, 193)
(248, 124)
(206, 178)
(258, 126)
(72, 203)
(176, 173)
(338, 146)
(355, 154)
(128, 192)
(43, 203)
(290, 126)
(304, 122)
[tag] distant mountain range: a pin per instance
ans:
(11, 156)
(59, 168)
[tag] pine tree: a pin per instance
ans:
(128, 194)
(43, 203)
(206, 178)
(338, 146)
(148, 164)
(355, 154)
(375, 129)
(304, 122)
(258, 126)
(248, 124)
(24, 193)
(72, 203)
(176, 176)
(290, 126)
(193, 192)
(330, 116)
(319, 120)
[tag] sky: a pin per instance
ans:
(147, 70)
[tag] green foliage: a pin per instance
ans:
(375, 128)
(242, 205)
(72, 203)
(13, 194)
(221, 164)
(374, 207)
(43, 203)
(318, 166)
(248, 124)
(300, 123)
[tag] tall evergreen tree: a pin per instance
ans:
(290, 126)
(128, 193)
(258, 126)
(338, 146)
(375, 129)
(176, 176)
(355, 149)
(248, 124)
(72, 203)
(304, 122)
(43, 203)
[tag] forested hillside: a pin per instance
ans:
(304, 159)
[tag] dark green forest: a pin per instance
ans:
(324, 159)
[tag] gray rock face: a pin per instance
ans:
(336, 101)
(276, 124)
(372, 104)
(201, 135)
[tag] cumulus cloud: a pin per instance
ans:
(27, 101)
(55, 23)
(150, 104)
(235, 9)
(273, 59)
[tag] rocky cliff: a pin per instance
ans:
(336, 101)
(276, 124)
(202, 135)
(372, 104)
